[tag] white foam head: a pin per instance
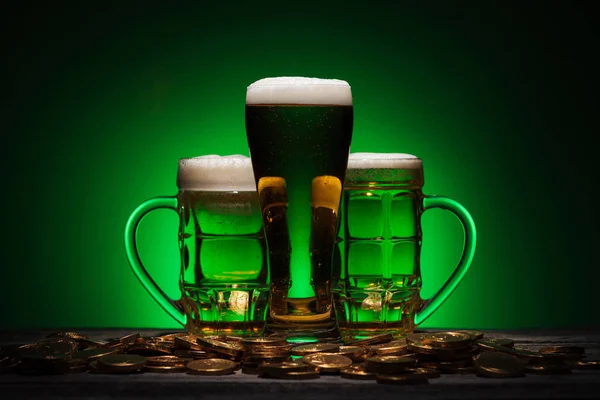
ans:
(384, 161)
(215, 173)
(299, 90)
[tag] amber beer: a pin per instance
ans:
(299, 132)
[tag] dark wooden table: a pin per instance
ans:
(581, 384)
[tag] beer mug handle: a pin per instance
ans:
(172, 307)
(428, 306)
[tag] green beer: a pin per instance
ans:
(377, 274)
(224, 265)
(299, 132)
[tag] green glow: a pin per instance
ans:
(104, 115)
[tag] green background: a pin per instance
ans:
(498, 100)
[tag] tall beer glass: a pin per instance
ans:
(223, 260)
(299, 132)
(378, 277)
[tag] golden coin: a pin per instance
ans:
(445, 339)
(389, 364)
(305, 349)
(494, 347)
(383, 338)
(45, 357)
(395, 347)
(498, 365)
(167, 360)
(165, 368)
(445, 365)
(533, 356)
(300, 375)
(69, 335)
(267, 350)
(595, 365)
(24, 349)
(171, 334)
(56, 346)
(419, 348)
(441, 352)
(493, 343)
(227, 338)
(121, 363)
(353, 352)
(169, 337)
(282, 349)
(415, 338)
(404, 379)
(94, 353)
(77, 366)
(211, 366)
(264, 353)
(475, 335)
(148, 349)
(563, 349)
(263, 341)
(327, 362)
(429, 373)
(195, 354)
(219, 346)
(357, 372)
(187, 342)
(89, 343)
(125, 340)
(275, 370)
(457, 354)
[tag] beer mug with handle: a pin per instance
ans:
(377, 271)
(223, 263)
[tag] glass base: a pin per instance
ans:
(303, 322)
(305, 333)
(225, 310)
(361, 331)
(362, 313)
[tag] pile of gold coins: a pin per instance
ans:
(411, 360)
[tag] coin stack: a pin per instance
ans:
(414, 359)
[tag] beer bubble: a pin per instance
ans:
(216, 173)
(299, 90)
